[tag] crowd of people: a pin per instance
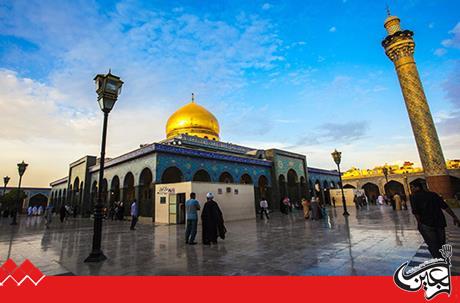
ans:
(426, 206)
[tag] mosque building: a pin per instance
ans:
(192, 158)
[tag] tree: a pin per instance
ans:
(10, 199)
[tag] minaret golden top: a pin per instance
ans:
(392, 23)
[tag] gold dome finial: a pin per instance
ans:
(392, 23)
(193, 120)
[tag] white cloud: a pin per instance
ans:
(454, 41)
(333, 29)
(267, 6)
(440, 52)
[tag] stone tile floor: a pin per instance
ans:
(374, 241)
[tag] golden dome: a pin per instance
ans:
(193, 120)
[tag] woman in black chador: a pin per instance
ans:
(212, 221)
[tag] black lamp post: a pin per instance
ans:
(6, 179)
(21, 170)
(385, 173)
(108, 87)
(337, 156)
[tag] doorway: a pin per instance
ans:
(180, 199)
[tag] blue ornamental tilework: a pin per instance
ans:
(190, 165)
(283, 164)
(313, 177)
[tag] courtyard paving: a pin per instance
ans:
(373, 241)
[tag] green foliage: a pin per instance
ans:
(10, 200)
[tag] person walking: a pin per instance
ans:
(285, 205)
(306, 208)
(62, 213)
(427, 208)
(134, 214)
(48, 214)
(315, 209)
(264, 208)
(398, 202)
(192, 206)
(212, 221)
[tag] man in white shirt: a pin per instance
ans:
(264, 208)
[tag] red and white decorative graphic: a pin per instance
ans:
(10, 272)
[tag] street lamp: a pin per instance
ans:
(385, 173)
(108, 87)
(6, 179)
(21, 170)
(337, 156)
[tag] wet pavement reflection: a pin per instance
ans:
(372, 241)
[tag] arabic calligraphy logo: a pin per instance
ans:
(432, 275)
(10, 271)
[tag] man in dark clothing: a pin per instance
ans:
(62, 213)
(212, 221)
(427, 208)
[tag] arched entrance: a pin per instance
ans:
(128, 190)
(104, 191)
(40, 200)
(76, 192)
(293, 187)
(394, 187)
(303, 188)
(422, 181)
(201, 176)
(146, 205)
(282, 187)
(372, 191)
(262, 192)
(94, 194)
(327, 196)
(349, 186)
(115, 190)
(246, 179)
(172, 175)
(225, 177)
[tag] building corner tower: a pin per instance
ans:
(399, 47)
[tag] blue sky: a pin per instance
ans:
(307, 77)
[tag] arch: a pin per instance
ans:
(115, 189)
(393, 187)
(282, 186)
(245, 179)
(293, 186)
(311, 188)
(172, 175)
(333, 185)
(303, 188)
(104, 192)
(128, 188)
(40, 200)
(326, 193)
(94, 193)
(349, 186)
(145, 193)
(225, 177)
(60, 197)
(82, 194)
(261, 192)
(371, 190)
(76, 192)
(201, 176)
(421, 180)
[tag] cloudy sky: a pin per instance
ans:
(307, 76)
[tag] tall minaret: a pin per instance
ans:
(399, 47)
